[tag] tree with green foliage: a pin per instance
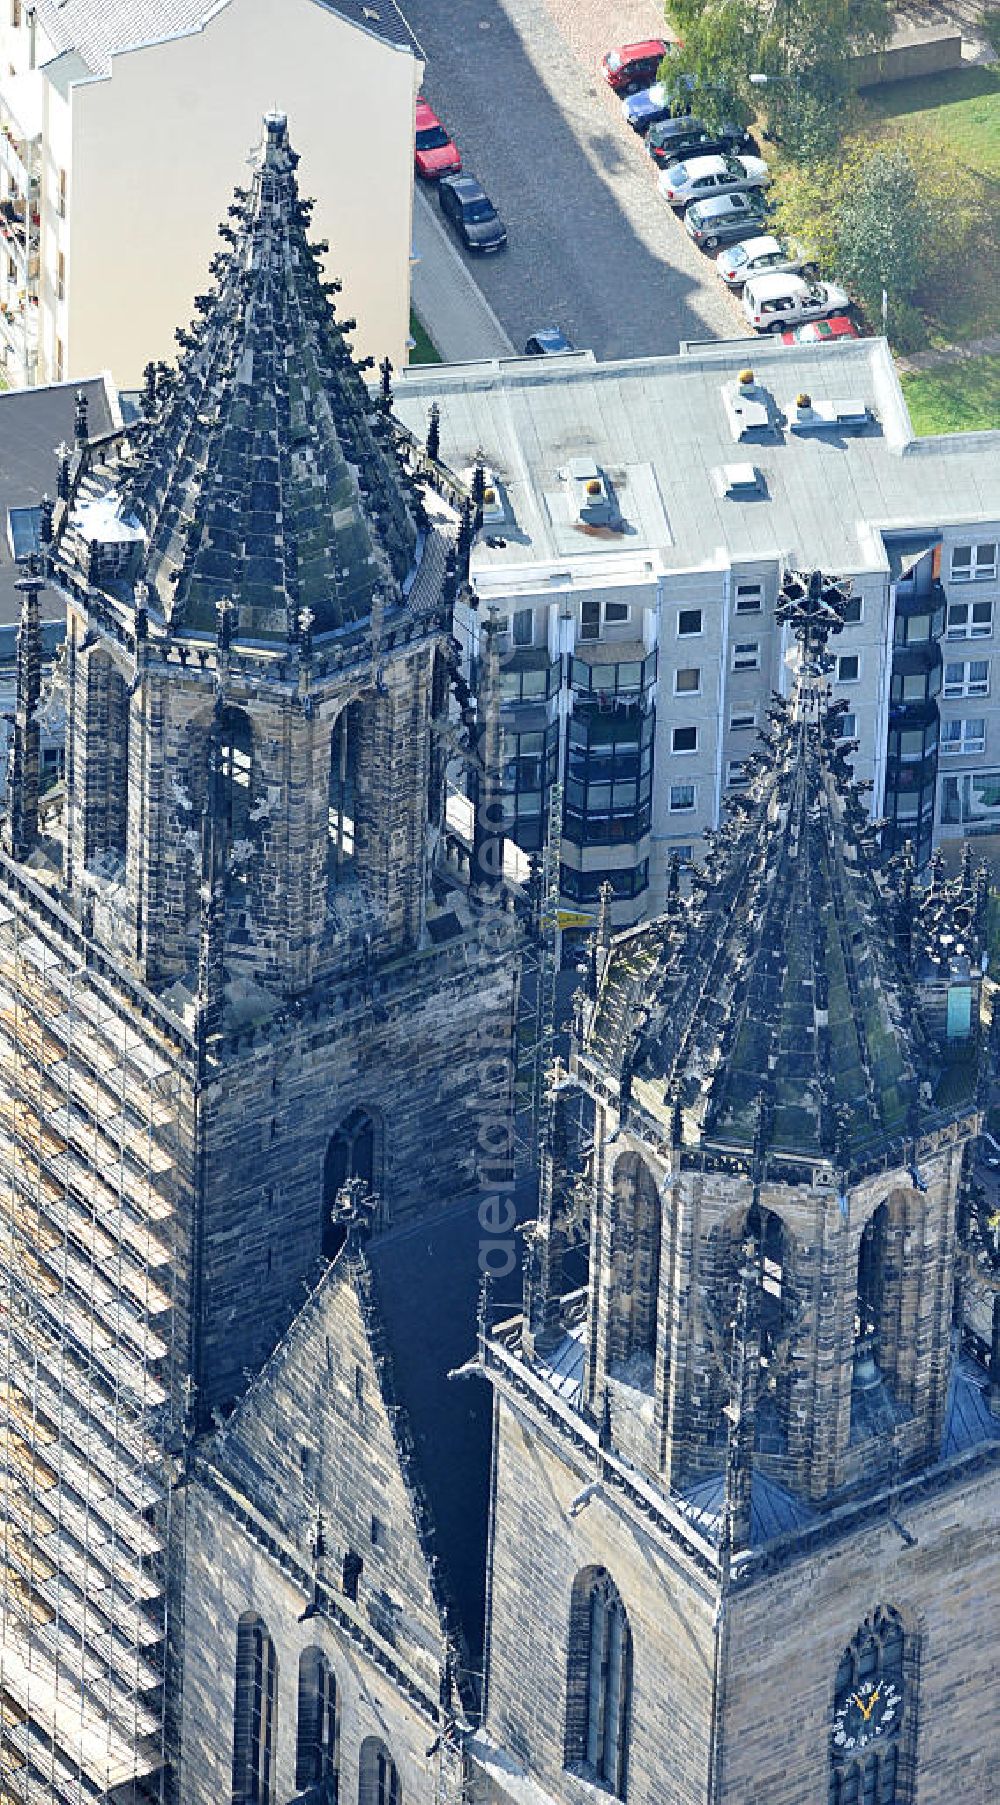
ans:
(885, 225)
(803, 47)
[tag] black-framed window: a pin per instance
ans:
(530, 764)
(254, 1714)
(585, 886)
(529, 676)
(602, 681)
(609, 777)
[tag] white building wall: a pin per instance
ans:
(152, 154)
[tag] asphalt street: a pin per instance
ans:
(592, 248)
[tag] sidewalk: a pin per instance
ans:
(952, 354)
(446, 298)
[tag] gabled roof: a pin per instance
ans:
(99, 29)
(263, 476)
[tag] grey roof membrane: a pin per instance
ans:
(97, 29)
(661, 429)
(32, 423)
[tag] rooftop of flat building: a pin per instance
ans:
(664, 432)
(32, 423)
(97, 30)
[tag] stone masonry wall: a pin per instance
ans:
(538, 1549)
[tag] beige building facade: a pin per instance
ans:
(120, 127)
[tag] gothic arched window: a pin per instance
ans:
(869, 1710)
(598, 1681)
(236, 747)
(254, 1713)
(871, 1262)
(378, 1775)
(635, 1263)
(103, 753)
(350, 1154)
(316, 1742)
(343, 805)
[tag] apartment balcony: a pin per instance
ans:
(13, 153)
(19, 335)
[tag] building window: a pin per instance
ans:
(685, 739)
(688, 622)
(852, 612)
(635, 1271)
(736, 774)
(11, 270)
(870, 1707)
(378, 1778)
(749, 598)
(847, 727)
(595, 615)
(959, 738)
(738, 723)
(848, 667)
(688, 682)
(529, 770)
(316, 1754)
(59, 360)
(61, 276)
(586, 886)
(973, 563)
(61, 203)
(971, 678)
(746, 655)
(351, 1573)
(969, 620)
(15, 14)
(609, 775)
(598, 1681)
(682, 798)
(523, 626)
(254, 1714)
(350, 1153)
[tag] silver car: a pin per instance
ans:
(756, 257)
(681, 183)
(773, 302)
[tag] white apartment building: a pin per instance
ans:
(121, 123)
(640, 518)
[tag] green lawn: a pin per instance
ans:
(958, 397)
(960, 108)
(424, 350)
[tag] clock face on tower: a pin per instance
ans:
(868, 1710)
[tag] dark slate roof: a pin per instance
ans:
(32, 423)
(264, 476)
(773, 1510)
(97, 29)
(968, 1417)
(777, 1009)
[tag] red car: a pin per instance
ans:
(634, 66)
(435, 154)
(839, 325)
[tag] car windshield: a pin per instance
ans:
(434, 137)
(733, 166)
(678, 172)
(737, 255)
(814, 293)
(613, 60)
(477, 211)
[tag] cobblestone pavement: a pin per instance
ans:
(592, 247)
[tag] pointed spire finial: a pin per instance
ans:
(81, 430)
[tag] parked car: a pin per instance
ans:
(435, 155)
(681, 183)
(755, 257)
(839, 326)
(672, 140)
(725, 217)
(468, 208)
(651, 106)
(634, 66)
(770, 303)
(548, 341)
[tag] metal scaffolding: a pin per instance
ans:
(90, 1116)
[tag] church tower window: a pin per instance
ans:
(635, 1266)
(868, 1716)
(379, 1776)
(254, 1713)
(316, 1756)
(236, 743)
(598, 1681)
(350, 1154)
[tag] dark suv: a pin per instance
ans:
(468, 208)
(673, 140)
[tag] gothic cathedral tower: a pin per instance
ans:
(237, 969)
(758, 1455)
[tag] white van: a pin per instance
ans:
(772, 302)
